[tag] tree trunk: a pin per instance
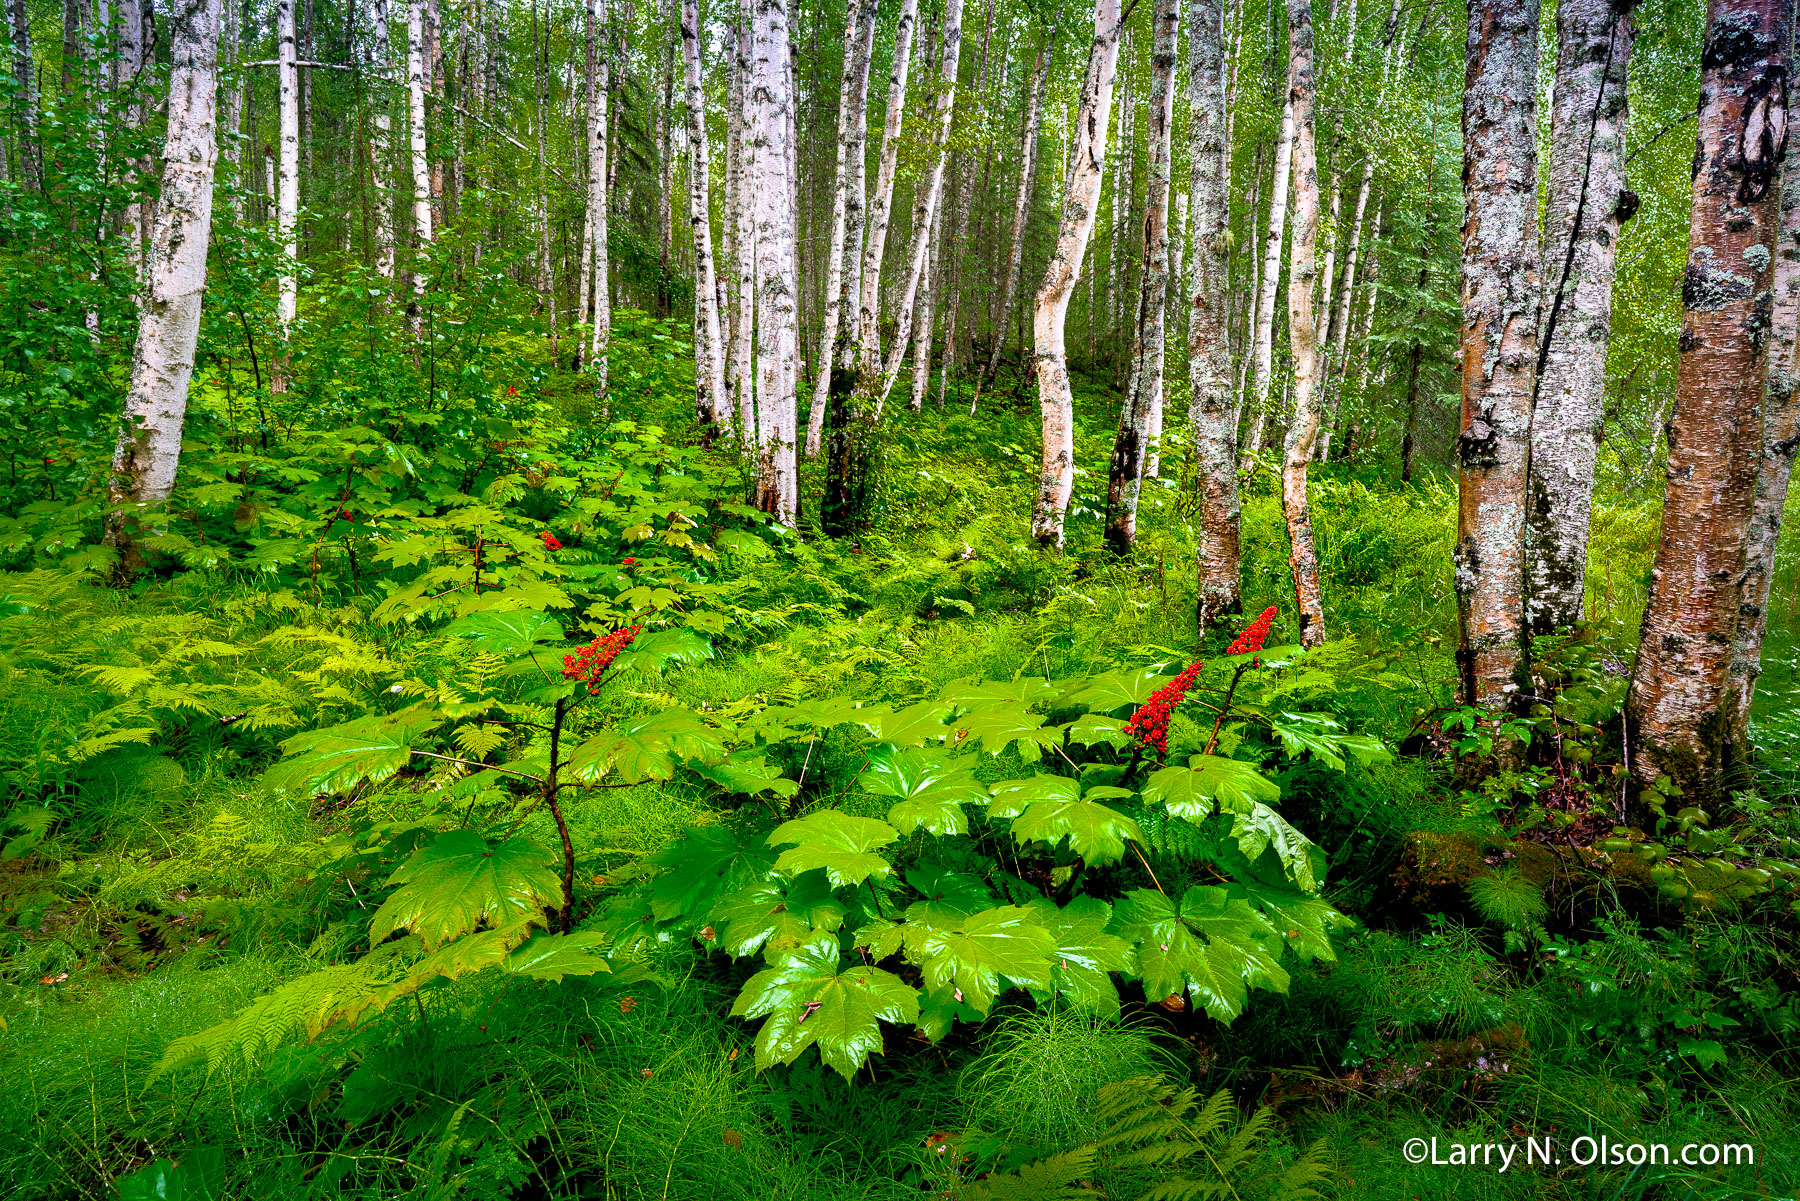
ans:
(162, 362)
(1125, 473)
(930, 191)
(1015, 258)
(852, 136)
(711, 405)
(421, 169)
(1780, 440)
(137, 33)
(882, 202)
(1338, 331)
(1177, 287)
(1262, 354)
(546, 272)
(381, 140)
(287, 171)
(1081, 194)
(1499, 344)
(1679, 710)
(925, 325)
(1588, 201)
(25, 95)
(777, 281)
(1303, 332)
(600, 342)
(965, 198)
(738, 373)
(584, 305)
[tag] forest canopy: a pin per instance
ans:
(978, 599)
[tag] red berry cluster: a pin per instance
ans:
(1252, 639)
(1149, 726)
(588, 663)
(551, 542)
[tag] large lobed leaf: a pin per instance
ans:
(338, 758)
(812, 998)
(460, 881)
(841, 843)
(929, 788)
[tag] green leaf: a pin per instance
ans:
(1085, 952)
(1114, 690)
(776, 915)
(1209, 782)
(1093, 730)
(553, 956)
(339, 758)
(949, 896)
(750, 774)
(659, 650)
(983, 692)
(1096, 832)
(1213, 946)
(973, 956)
(1306, 922)
(458, 882)
(1263, 829)
(930, 788)
(999, 727)
(1012, 797)
(694, 872)
(1321, 736)
(509, 633)
(645, 749)
(811, 997)
(914, 725)
(841, 843)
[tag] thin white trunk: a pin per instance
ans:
(926, 323)
(1262, 366)
(415, 107)
(1056, 401)
(381, 139)
(769, 185)
(1303, 331)
(931, 195)
(711, 405)
(882, 202)
(591, 47)
(136, 29)
(1337, 330)
(162, 363)
(287, 171)
(739, 372)
(600, 342)
(852, 132)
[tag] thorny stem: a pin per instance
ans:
(1212, 743)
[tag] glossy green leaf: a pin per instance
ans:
(1305, 922)
(948, 895)
(841, 843)
(929, 787)
(1000, 726)
(986, 947)
(1095, 831)
(703, 865)
(1210, 782)
(776, 915)
(508, 633)
(1093, 730)
(1012, 797)
(1086, 952)
(968, 693)
(553, 956)
(915, 725)
(659, 650)
(1212, 946)
(1115, 690)
(459, 882)
(1262, 829)
(338, 758)
(748, 773)
(813, 997)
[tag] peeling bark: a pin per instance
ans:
(1679, 710)
(1499, 344)
(162, 362)
(1081, 193)
(1587, 196)
(767, 183)
(1303, 333)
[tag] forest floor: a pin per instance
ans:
(1497, 986)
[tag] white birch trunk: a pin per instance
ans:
(600, 340)
(711, 405)
(1303, 331)
(287, 171)
(1337, 330)
(591, 49)
(882, 202)
(381, 140)
(1262, 354)
(136, 29)
(926, 323)
(1056, 480)
(162, 363)
(415, 107)
(740, 373)
(853, 121)
(777, 279)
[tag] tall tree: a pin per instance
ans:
(1588, 200)
(287, 170)
(381, 139)
(600, 65)
(709, 364)
(882, 202)
(1499, 343)
(738, 374)
(1679, 710)
(766, 136)
(136, 43)
(1303, 331)
(162, 361)
(25, 93)
(1015, 255)
(1125, 472)
(1212, 403)
(1081, 194)
(852, 139)
(416, 77)
(1262, 343)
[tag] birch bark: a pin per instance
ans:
(1262, 354)
(1303, 332)
(882, 202)
(711, 405)
(600, 340)
(415, 108)
(1212, 403)
(1337, 332)
(287, 169)
(1081, 193)
(1015, 257)
(162, 362)
(777, 292)
(137, 30)
(739, 374)
(852, 133)
(590, 62)
(1125, 472)
(381, 139)
(1499, 343)
(1678, 711)
(1586, 206)
(25, 97)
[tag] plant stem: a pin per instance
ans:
(566, 919)
(1212, 743)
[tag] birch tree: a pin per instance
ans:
(1015, 255)
(416, 77)
(738, 371)
(766, 126)
(601, 337)
(25, 93)
(1262, 352)
(882, 201)
(136, 32)
(1125, 472)
(1588, 200)
(1499, 344)
(1212, 403)
(1081, 194)
(1303, 333)
(711, 404)
(381, 141)
(852, 138)
(148, 453)
(1679, 708)
(287, 167)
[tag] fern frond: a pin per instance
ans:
(1297, 1183)
(1055, 1178)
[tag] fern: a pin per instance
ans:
(1056, 1178)
(1508, 900)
